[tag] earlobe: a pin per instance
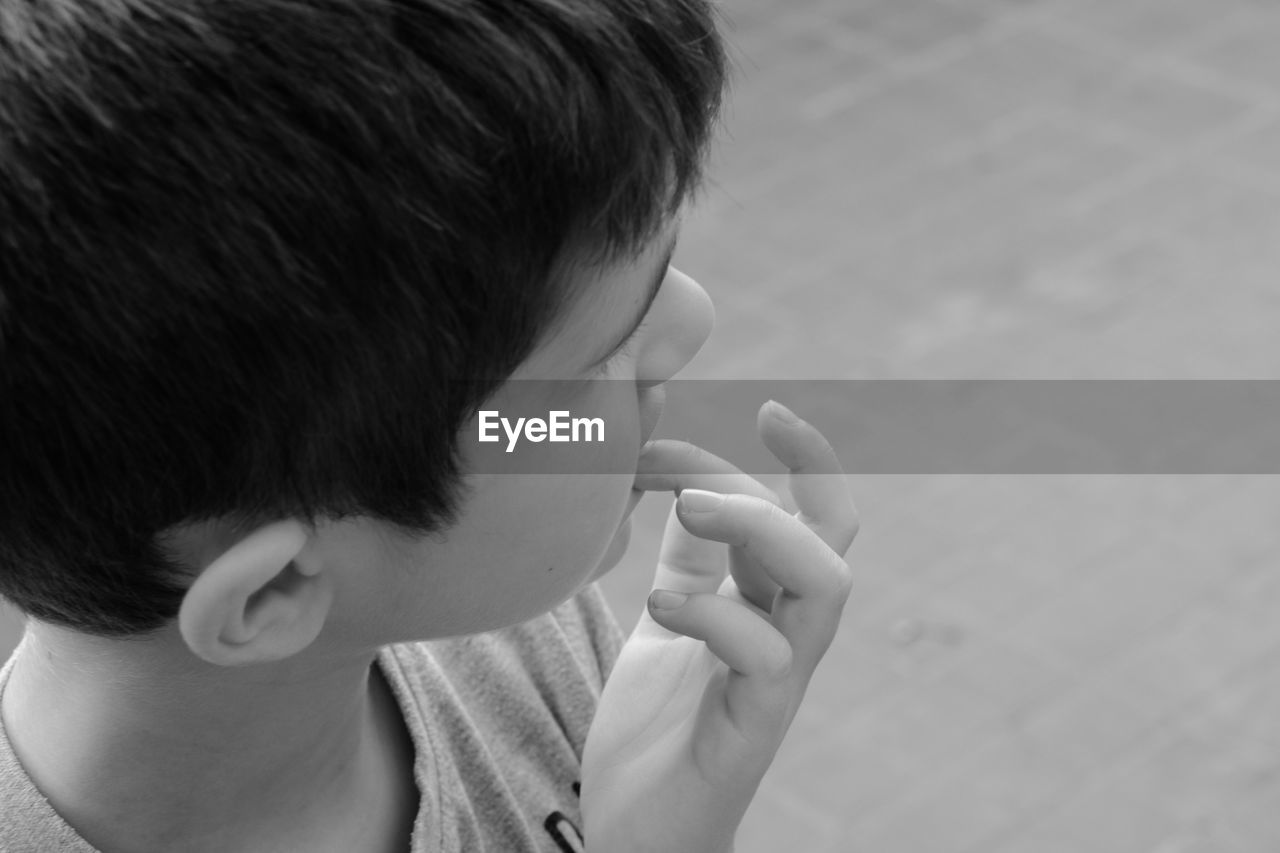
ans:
(256, 602)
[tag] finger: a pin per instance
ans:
(757, 654)
(752, 579)
(668, 465)
(677, 465)
(799, 561)
(815, 580)
(729, 589)
(816, 480)
(687, 563)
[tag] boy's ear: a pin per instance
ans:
(256, 603)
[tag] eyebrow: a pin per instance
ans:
(655, 284)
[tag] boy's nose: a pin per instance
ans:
(688, 318)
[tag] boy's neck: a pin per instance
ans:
(140, 747)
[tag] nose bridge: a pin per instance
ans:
(686, 318)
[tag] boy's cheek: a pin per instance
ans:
(617, 548)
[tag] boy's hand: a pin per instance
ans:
(704, 692)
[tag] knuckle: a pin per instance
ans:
(848, 531)
(775, 514)
(826, 450)
(778, 658)
(759, 515)
(841, 579)
(690, 454)
(757, 510)
(824, 454)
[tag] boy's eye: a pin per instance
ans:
(623, 352)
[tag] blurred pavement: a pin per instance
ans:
(1084, 189)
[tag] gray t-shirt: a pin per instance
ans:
(498, 721)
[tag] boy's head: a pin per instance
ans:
(262, 260)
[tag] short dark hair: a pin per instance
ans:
(264, 258)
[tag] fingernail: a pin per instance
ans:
(782, 413)
(697, 500)
(663, 599)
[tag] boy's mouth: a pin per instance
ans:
(652, 400)
(632, 501)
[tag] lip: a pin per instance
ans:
(652, 401)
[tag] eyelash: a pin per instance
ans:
(624, 351)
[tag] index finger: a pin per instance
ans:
(815, 477)
(668, 465)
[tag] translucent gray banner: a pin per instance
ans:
(907, 427)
